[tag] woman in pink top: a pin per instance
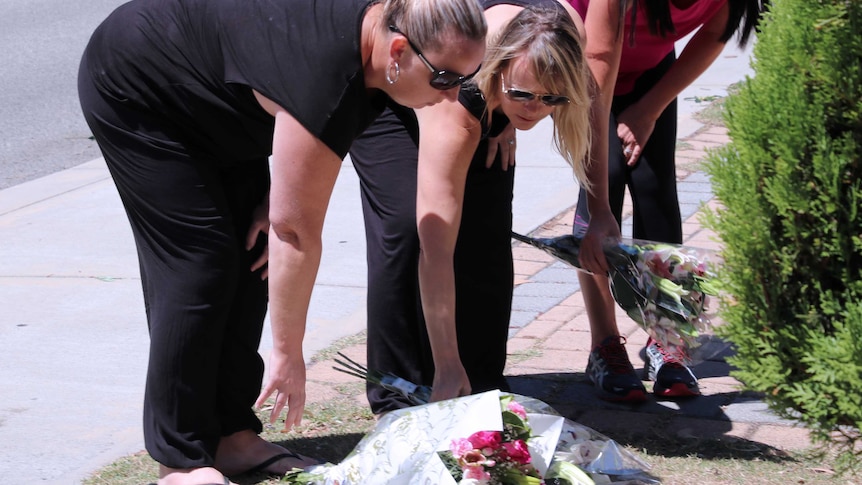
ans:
(630, 49)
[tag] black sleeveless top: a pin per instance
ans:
(195, 63)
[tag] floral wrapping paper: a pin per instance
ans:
(404, 446)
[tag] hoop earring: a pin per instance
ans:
(389, 78)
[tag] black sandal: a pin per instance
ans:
(262, 466)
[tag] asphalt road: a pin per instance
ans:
(40, 118)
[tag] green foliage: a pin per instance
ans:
(790, 183)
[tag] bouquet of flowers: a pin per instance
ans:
(495, 456)
(415, 393)
(491, 438)
(664, 287)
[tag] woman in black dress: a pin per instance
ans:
(187, 100)
(438, 211)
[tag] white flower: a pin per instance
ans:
(581, 453)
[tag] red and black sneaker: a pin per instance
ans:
(610, 369)
(671, 377)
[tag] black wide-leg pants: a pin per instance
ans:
(652, 181)
(205, 308)
(386, 158)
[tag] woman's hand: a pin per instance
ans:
(603, 230)
(259, 226)
(504, 143)
(450, 382)
(634, 129)
(303, 172)
(449, 137)
(287, 381)
(636, 123)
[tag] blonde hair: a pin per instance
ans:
(429, 23)
(548, 39)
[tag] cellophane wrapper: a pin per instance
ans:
(404, 446)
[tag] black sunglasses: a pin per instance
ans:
(442, 78)
(525, 96)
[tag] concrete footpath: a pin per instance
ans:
(73, 338)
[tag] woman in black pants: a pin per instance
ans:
(187, 100)
(631, 52)
(652, 181)
(397, 335)
(438, 208)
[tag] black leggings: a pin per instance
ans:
(652, 181)
(385, 158)
(205, 309)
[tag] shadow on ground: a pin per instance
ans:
(685, 427)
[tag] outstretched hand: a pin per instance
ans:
(602, 230)
(450, 383)
(287, 381)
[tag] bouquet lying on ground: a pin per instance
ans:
(491, 438)
(663, 287)
(484, 439)
(495, 456)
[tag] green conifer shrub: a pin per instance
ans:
(790, 187)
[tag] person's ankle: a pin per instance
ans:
(599, 340)
(239, 441)
(243, 450)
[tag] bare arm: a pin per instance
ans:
(449, 137)
(638, 120)
(603, 50)
(303, 176)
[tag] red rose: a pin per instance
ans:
(481, 440)
(517, 451)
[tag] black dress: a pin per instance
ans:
(386, 158)
(166, 88)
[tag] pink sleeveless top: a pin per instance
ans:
(650, 49)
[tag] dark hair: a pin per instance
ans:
(743, 17)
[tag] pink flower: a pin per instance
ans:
(517, 451)
(473, 481)
(658, 263)
(474, 466)
(459, 447)
(482, 440)
(476, 472)
(475, 458)
(516, 408)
